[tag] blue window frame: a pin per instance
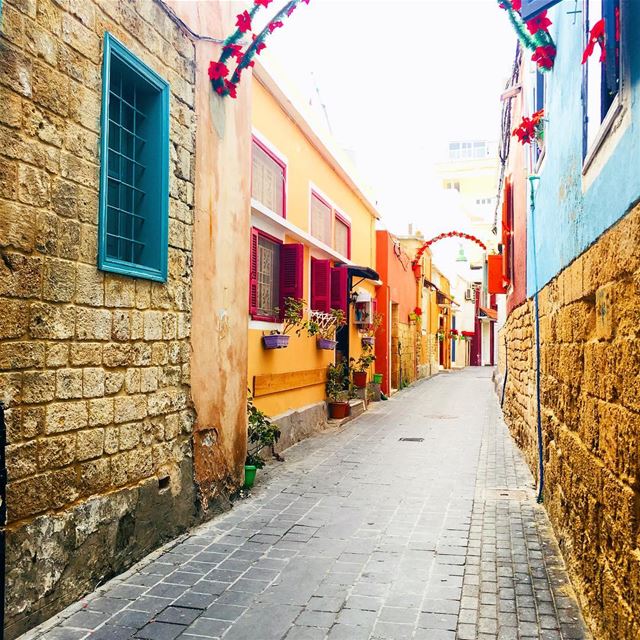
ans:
(134, 166)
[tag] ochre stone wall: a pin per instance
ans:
(408, 345)
(590, 356)
(94, 368)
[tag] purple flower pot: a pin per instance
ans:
(275, 341)
(368, 341)
(324, 343)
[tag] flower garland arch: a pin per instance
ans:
(232, 46)
(442, 236)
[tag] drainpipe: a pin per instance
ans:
(3, 513)
(536, 307)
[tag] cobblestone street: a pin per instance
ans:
(417, 520)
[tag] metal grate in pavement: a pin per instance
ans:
(411, 439)
(501, 493)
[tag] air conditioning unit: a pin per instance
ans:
(468, 294)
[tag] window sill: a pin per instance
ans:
(132, 270)
(260, 324)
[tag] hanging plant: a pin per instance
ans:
(232, 47)
(533, 34)
(531, 129)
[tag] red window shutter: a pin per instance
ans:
(321, 285)
(339, 284)
(507, 231)
(291, 272)
(253, 273)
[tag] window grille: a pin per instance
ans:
(134, 190)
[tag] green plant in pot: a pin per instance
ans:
(324, 327)
(337, 378)
(261, 433)
(292, 318)
(360, 367)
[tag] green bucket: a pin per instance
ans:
(249, 475)
(377, 378)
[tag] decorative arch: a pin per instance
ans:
(443, 236)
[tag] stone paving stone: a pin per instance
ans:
(358, 535)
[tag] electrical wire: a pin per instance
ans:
(505, 131)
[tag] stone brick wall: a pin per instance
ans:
(408, 346)
(94, 368)
(590, 355)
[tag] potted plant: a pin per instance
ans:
(335, 387)
(369, 334)
(324, 327)
(360, 367)
(261, 433)
(440, 335)
(454, 334)
(292, 318)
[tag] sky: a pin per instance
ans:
(400, 78)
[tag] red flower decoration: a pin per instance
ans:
(539, 23)
(263, 3)
(596, 36)
(234, 50)
(217, 70)
(544, 56)
(291, 9)
(275, 25)
(260, 46)
(231, 88)
(243, 21)
(417, 311)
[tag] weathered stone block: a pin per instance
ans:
(28, 497)
(59, 282)
(22, 460)
(57, 354)
(33, 421)
(605, 316)
(50, 88)
(90, 285)
(120, 292)
(20, 276)
(86, 354)
(21, 355)
(117, 354)
(15, 318)
(93, 380)
(57, 451)
(8, 179)
(69, 383)
(51, 321)
(17, 70)
(129, 436)
(153, 325)
(100, 412)
(129, 408)
(66, 416)
(113, 382)
(38, 386)
(93, 324)
(90, 444)
(17, 226)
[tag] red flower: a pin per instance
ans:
(417, 311)
(539, 23)
(233, 50)
(596, 36)
(220, 89)
(217, 70)
(544, 56)
(243, 21)
(231, 88)
(275, 25)
(263, 3)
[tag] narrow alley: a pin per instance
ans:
(417, 520)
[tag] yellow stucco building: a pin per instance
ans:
(306, 209)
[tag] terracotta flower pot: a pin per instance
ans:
(325, 343)
(360, 379)
(338, 410)
(275, 341)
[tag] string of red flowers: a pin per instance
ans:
(233, 47)
(533, 34)
(530, 128)
(450, 234)
(596, 36)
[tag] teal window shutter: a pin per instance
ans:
(531, 8)
(134, 166)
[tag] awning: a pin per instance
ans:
(489, 314)
(439, 291)
(366, 273)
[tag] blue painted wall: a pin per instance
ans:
(568, 220)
